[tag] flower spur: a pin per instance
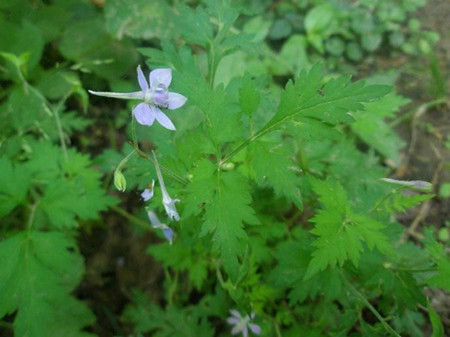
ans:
(153, 97)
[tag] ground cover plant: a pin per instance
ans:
(228, 144)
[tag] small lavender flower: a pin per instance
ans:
(242, 324)
(154, 97)
(148, 192)
(168, 202)
(167, 231)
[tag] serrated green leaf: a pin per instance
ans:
(438, 328)
(371, 127)
(71, 188)
(293, 259)
(330, 102)
(14, 184)
(439, 256)
(183, 322)
(21, 39)
(87, 43)
(225, 217)
(195, 25)
(138, 19)
(273, 166)
(199, 191)
(341, 231)
(397, 202)
(39, 271)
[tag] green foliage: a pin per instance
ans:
(150, 318)
(48, 188)
(14, 184)
(131, 18)
(225, 215)
(397, 202)
(311, 98)
(442, 261)
(283, 210)
(341, 231)
(39, 271)
(371, 126)
(342, 31)
(273, 167)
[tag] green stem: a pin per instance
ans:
(412, 270)
(378, 204)
(61, 134)
(212, 67)
(141, 223)
(370, 307)
(220, 277)
(173, 287)
(241, 147)
(145, 156)
(125, 160)
(54, 111)
(32, 214)
(412, 112)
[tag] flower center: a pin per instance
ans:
(161, 96)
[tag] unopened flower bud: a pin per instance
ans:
(228, 166)
(418, 185)
(120, 181)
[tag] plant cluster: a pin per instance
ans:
(343, 32)
(272, 202)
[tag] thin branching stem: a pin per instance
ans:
(363, 299)
(145, 156)
(141, 223)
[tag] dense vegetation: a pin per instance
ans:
(264, 193)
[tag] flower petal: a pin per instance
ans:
(244, 331)
(171, 210)
(141, 79)
(236, 330)
(154, 219)
(162, 118)
(120, 95)
(160, 76)
(147, 194)
(176, 100)
(236, 313)
(256, 329)
(168, 233)
(144, 114)
(233, 320)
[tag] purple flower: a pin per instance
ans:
(167, 231)
(148, 192)
(242, 324)
(154, 96)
